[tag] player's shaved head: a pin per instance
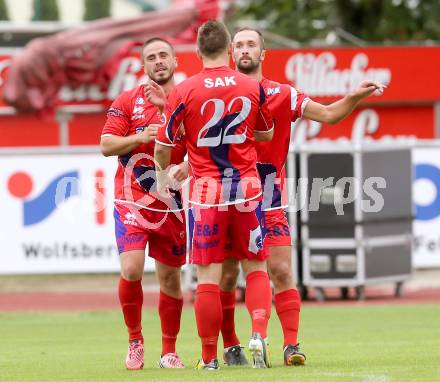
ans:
(213, 39)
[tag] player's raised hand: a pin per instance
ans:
(367, 88)
(149, 134)
(155, 94)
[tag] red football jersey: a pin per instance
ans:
(286, 105)
(135, 180)
(220, 109)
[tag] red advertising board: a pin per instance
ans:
(410, 73)
(373, 123)
(406, 108)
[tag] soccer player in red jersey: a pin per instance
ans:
(141, 217)
(222, 114)
(286, 105)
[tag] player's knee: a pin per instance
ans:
(170, 281)
(281, 274)
(229, 281)
(132, 272)
(229, 278)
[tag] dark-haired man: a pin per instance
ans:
(286, 105)
(141, 217)
(222, 113)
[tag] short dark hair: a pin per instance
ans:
(213, 38)
(252, 30)
(155, 39)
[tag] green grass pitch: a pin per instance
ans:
(343, 343)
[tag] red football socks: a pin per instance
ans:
(228, 325)
(170, 311)
(208, 310)
(258, 300)
(288, 305)
(131, 298)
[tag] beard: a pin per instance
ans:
(162, 78)
(248, 68)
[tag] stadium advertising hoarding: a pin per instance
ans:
(58, 214)
(406, 107)
(427, 201)
(324, 74)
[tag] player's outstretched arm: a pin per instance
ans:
(117, 145)
(337, 111)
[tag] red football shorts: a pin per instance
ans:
(165, 233)
(277, 228)
(210, 228)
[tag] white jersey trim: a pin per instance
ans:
(275, 208)
(164, 144)
(265, 131)
(304, 104)
(293, 98)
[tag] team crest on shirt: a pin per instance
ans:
(273, 91)
(162, 118)
(139, 101)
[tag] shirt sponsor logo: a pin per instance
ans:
(115, 112)
(206, 245)
(272, 91)
(137, 113)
